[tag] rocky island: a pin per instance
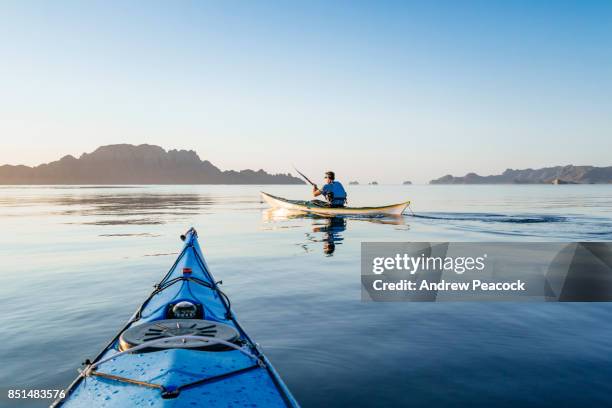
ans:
(131, 164)
(549, 175)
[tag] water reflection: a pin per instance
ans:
(113, 209)
(326, 230)
(142, 234)
(331, 233)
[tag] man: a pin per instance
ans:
(332, 191)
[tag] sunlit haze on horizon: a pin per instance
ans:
(380, 91)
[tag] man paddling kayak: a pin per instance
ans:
(333, 191)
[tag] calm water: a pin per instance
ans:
(77, 261)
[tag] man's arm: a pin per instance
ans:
(315, 191)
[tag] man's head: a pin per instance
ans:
(329, 176)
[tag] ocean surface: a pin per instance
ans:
(77, 260)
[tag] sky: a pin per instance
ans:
(386, 91)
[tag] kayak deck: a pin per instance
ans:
(311, 207)
(183, 375)
(254, 387)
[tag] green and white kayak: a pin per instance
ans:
(182, 348)
(311, 207)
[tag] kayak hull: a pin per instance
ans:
(309, 207)
(237, 376)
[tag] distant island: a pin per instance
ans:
(407, 183)
(548, 175)
(373, 183)
(353, 183)
(131, 164)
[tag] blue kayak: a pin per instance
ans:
(182, 348)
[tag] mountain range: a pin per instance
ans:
(548, 175)
(131, 164)
(150, 164)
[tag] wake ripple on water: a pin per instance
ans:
(576, 227)
(489, 217)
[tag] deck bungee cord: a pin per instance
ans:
(171, 392)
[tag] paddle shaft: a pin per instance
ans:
(305, 178)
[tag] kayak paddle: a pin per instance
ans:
(305, 178)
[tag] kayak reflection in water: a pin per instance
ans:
(326, 230)
(333, 192)
(332, 233)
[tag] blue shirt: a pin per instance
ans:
(337, 190)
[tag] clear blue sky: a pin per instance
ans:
(382, 91)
